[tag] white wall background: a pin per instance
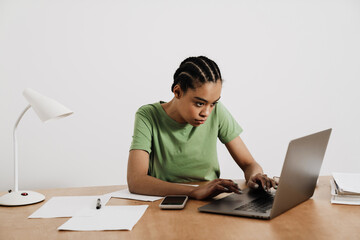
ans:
(290, 68)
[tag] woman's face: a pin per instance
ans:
(196, 104)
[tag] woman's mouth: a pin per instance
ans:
(200, 121)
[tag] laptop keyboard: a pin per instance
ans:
(261, 204)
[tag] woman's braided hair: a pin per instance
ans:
(195, 71)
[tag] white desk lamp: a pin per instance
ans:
(46, 109)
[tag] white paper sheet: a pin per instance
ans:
(348, 200)
(348, 182)
(107, 218)
(126, 194)
(69, 206)
(343, 199)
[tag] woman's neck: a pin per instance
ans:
(171, 109)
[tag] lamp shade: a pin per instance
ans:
(46, 108)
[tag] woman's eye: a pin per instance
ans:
(199, 104)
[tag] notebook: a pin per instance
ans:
(297, 182)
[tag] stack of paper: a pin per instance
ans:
(68, 206)
(85, 215)
(107, 218)
(345, 188)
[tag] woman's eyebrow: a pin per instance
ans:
(201, 99)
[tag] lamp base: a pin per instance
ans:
(21, 198)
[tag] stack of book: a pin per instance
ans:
(345, 188)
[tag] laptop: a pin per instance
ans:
(297, 183)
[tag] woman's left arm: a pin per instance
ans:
(252, 170)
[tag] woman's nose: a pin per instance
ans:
(205, 112)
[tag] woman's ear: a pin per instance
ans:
(177, 91)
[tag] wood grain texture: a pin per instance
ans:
(316, 218)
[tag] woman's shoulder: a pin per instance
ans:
(150, 111)
(221, 113)
(219, 108)
(147, 108)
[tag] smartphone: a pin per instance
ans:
(174, 202)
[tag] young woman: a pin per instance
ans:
(175, 141)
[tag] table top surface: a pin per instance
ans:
(316, 218)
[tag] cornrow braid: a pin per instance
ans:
(196, 70)
(215, 67)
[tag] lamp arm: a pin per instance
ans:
(16, 178)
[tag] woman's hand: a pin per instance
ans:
(262, 180)
(214, 188)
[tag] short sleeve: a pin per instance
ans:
(142, 135)
(228, 128)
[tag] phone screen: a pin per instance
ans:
(176, 200)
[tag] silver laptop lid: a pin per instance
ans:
(300, 171)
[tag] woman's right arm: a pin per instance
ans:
(140, 182)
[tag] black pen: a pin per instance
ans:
(98, 203)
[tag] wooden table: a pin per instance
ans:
(316, 218)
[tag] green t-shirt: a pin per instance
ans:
(181, 152)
